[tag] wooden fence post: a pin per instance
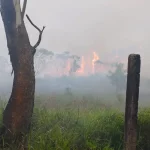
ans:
(132, 96)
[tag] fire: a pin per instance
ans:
(81, 70)
(88, 65)
(95, 58)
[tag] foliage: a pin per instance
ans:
(75, 66)
(74, 61)
(88, 128)
(118, 77)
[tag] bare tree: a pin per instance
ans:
(18, 112)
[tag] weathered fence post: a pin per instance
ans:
(132, 95)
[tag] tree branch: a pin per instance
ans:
(40, 34)
(24, 8)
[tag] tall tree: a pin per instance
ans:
(75, 64)
(18, 112)
(118, 78)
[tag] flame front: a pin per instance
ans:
(88, 65)
(95, 58)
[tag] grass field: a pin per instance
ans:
(64, 123)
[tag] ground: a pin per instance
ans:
(62, 122)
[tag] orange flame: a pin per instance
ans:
(88, 65)
(95, 58)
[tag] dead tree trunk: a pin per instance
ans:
(18, 112)
(132, 95)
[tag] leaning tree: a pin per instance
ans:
(18, 112)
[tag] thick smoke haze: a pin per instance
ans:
(108, 27)
(85, 25)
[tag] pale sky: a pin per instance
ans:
(81, 26)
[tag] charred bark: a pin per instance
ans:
(18, 112)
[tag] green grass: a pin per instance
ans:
(84, 130)
(87, 126)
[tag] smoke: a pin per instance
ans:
(75, 29)
(84, 26)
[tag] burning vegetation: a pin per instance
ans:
(66, 64)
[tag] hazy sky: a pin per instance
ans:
(82, 26)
